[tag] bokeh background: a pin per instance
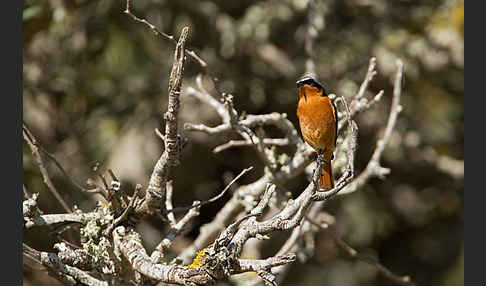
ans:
(95, 87)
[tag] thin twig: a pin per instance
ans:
(124, 215)
(401, 280)
(33, 145)
(373, 168)
(369, 76)
(203, 95)
(202, 203)
(157, 32)
(240, 143)
(168, 203)
(159, 134)
(56, 162)
(174, 231)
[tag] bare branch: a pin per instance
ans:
(401, 280)
(33, 145)
(239, 143)
(269, 191)
(51, 219)
(175, 230)
(369, 76)
(364, 104)
(168, 203)
(155, 193)
(205, 97)
(373, 168)
(124, 215)
(177, 209)
(69, 275)
(230, 210)
(129, 243)
(264, 264)
(209, 130)
(157, 32)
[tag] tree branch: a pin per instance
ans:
(155, 193)
(373, 168)
(33, 145)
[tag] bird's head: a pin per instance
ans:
(309, 87)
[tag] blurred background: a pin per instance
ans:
(95, 87)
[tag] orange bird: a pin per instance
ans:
(318, 123)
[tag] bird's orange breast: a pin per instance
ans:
(317, 119)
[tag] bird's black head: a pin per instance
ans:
(307, 80)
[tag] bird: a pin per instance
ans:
(318, 120)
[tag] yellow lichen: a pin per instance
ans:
(197, 262)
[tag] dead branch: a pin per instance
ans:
(157, 32)
(155, 193)
(353, 253)
(373, 168)
(69, 275)
(33, 145)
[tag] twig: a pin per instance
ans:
(124, 215)
(290, 242)
(225, 127)
(33, 145)
(155, 193)
(112, 174)
(230, 210)
(401, 280)
(129, 243)
(63, 171)
(226, 235)
(98, 189)
(229, 117)
(204, 96)
(69, 275)
(168, 203)
(373, 168)
(359, 103)
(294, 243)
(263, 264)
(174, 231)
(269, 191)
(56, 162)
(369, 76)
(239, 143)
(352, 135)
(202, 203)
(396, 108)
(50, 219)
(159, 134)
(157, 32)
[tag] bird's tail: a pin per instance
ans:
(327, 180)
